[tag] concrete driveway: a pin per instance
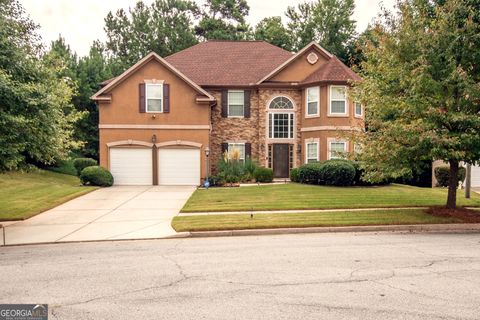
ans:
(119, 212)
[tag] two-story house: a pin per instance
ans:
(161, 119)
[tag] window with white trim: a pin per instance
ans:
(337, 149)
(154, 97)
(280, 125)
(313, 101)
(358, 109)
(238, 146)
(338, 100)
(236, 103)
(311, 152)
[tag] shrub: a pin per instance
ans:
(96, 176)
(294, 174)
(216, 181)
(337, 173)
(443, 173)
(310, 173)
(82, 163)
(263, 174)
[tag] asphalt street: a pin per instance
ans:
(305, 276)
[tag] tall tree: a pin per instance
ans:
(91, 71)
(329, 22)
(165, 27)
(224, 20)
(421, 85)
(273, 31)
(36, 115)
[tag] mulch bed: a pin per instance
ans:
(466, 215)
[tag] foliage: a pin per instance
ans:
(223, 20)
(337, 173)
(442, 174)
(328, 22)
(420, 83)
(216, 181)
(82, 163)
(36, 114)
(273, 31)
(165, 27)
(294, 175)
(96, 176)
(263, 174)
(64, 166)
(310, 173)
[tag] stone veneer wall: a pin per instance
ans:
(253, 129)
(265, 96)
(233, 129)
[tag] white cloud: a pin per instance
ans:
(82, 22)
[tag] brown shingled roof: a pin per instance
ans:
(230, 63)
(332, 71)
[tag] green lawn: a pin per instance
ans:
(298, 196)
(317, 219)
(23, 195)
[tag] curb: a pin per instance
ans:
(423, 228)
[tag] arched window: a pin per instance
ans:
(281, 103)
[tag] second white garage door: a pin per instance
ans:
(131, 166)
(179, 167)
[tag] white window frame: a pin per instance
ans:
(228, 103)
(311, 115)
(317, 143)
(358, 115)
(147, 85)
(345, 148)
(291, 130)
(337, 114)
(357, 148)
(234, 144)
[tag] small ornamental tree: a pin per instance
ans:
(421, 86)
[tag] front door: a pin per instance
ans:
(280, 160)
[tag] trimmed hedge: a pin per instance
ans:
(331, 172)
(96, 176)
(294, 175)
(310, 173)
(262, 174)
(337, 173)
(442, 175)
(82, 163)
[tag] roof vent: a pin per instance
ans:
(312, 58)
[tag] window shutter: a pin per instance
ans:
(166, 98)
(246, 100)
(248, 150)
(224, 103)
(141, 100)
(224, 147)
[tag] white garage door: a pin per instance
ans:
(475, 176)
(131, 166)
(178, 166)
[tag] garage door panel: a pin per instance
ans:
(178, 166)
(131, 166)
(475, 174)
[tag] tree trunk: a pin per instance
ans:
(452, 185)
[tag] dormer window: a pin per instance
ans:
(154, 97)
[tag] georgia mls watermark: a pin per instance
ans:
(23, 311)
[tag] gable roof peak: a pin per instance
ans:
(312, 44)
(152, 55)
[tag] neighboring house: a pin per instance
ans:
(160, 118)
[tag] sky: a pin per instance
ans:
(81, 22)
